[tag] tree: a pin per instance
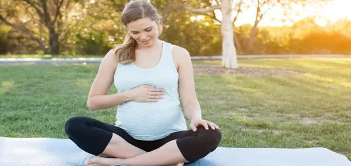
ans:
(229, 59)
(259, 5)
(238, 10)
(36, 18)
(264, 6)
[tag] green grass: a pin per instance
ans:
(308, 110)
(48, 56)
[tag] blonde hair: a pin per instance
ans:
(134, 10)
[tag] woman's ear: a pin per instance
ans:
(159, 26)
(160, 29)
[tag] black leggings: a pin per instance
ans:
(93, 136)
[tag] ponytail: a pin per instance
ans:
(125, 53)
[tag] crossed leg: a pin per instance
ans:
(127, 154)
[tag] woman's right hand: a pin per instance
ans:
(146, 93)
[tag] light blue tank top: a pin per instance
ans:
(150, 120)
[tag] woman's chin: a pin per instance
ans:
(147, 44)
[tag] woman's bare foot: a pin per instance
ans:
(179, 164)
(100, 161)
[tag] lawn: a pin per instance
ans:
(312, 109)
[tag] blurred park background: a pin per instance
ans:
(92, 27)
(269, 102)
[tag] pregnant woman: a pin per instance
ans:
(156, 88)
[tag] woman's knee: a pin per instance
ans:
(200, 144)
(86, 134)
(209, 138)
(74, 124)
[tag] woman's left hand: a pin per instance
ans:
(197, 122)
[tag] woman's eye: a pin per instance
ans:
(135, 32)
(148, 30)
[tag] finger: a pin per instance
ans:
(155, 96)
(216, 126)
(193, 127)
(157, 90)
(152, 100)
(148, 86)
(204, 123)
(212, 125)
(156, 93)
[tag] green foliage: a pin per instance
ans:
(93, 43)
(4, 41)
(85, 29)
(198, 37)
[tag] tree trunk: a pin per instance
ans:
(254, 30)
(229, 59)
(252, 37)
(237, 44)
(53, 42)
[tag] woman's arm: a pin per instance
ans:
(98, 98)
(191, 106)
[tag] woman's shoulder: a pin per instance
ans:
(110, 59)
(110, 55)
(180, 55)
(179, 51)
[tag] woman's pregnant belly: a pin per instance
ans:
(147, 120)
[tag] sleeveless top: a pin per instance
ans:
(150, 121)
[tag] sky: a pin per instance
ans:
(329, 12)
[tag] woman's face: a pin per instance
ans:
(144, 31)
